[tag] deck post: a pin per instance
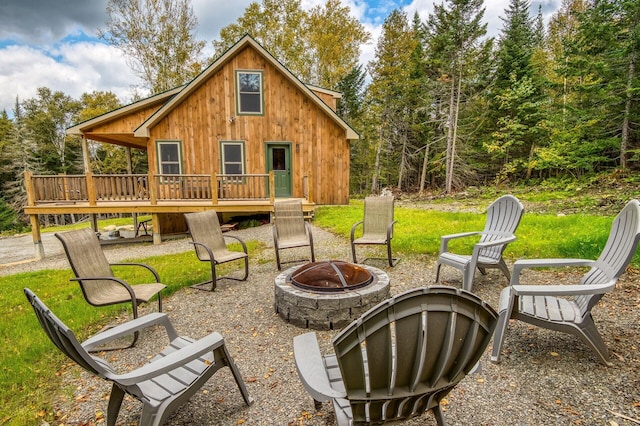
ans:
(37, 237)
(155, 223)
(214, 189)
(31, 190)
(86, 157)
(33, 218)
(272, 187)
(153, 193)
(91, 189)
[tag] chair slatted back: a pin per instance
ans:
(87, 260)
(204, 228)
(65, 339)
(378, 214)
(503, 218)
(620, 248)
(289, 220)
(403, 356)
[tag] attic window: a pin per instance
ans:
(249, 92)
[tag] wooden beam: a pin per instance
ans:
(37, 237)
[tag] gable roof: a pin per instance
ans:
(127, 139)
(144, 128)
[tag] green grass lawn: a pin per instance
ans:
(29, 361)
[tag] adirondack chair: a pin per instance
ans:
(567, 308)
(377, 226)
(162, 385)
(290, 230)
(400, 358)
(210, 246)
(503, 218)
(93, 272)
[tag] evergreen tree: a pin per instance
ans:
(519, 94)
(455, 29)
(516, 44)
(390, 85)
(606, 55)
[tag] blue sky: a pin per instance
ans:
(53, 43)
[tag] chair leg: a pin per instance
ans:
(498, 336)
(505, 269)
(246, 269)
(438, 265)
(467, 277)
(592, 337)
(228, 360)
(439, 415)
(278, 260)
(353, 253)
(115, 401)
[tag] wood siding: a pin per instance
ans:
(319, 147)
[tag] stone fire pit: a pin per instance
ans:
(333, 303)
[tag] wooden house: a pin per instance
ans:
(242, 134)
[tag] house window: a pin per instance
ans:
(232, 158)
(169, 157)
(249, 92)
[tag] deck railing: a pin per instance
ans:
(92, 188)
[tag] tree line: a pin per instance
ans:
(439, 108)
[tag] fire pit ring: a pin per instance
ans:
(330, 276)
(330, 310)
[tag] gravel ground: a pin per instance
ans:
(545, 378)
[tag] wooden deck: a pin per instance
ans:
(165, 197)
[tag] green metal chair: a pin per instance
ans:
(377, 226)
(290, 230)
(210, 246)
(98, 283)
(399, 359)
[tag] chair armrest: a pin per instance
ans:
(153, 271)
(176, 359)
(310, 366)
(444, 239)
(353, 229)
(519, 265)
(129, 328)
(390, 230)
(307, 227)
(562, 290)
(204, 246)
(501, 241)
(244, 246)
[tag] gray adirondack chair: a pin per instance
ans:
(503, 218)
(290, 230)
(210, 246)
(162, 385)
(93, 272)
(377, 226)
(567, 308)
(399, 359)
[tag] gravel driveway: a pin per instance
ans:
(545, 378)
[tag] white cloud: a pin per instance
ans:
(72, 68)
(76, 68)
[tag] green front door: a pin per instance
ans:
(279, 160)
